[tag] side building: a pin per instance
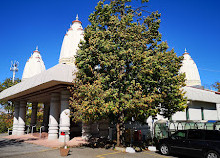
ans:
(202, 104)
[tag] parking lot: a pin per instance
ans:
(80, 153)
(19, 149)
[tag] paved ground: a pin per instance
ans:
(12, 147)
(19, 149)
(87, 153)
(42, 140)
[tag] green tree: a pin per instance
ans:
(39, 120)
(6, 119)
(217, 86)
(8, 105)
(124, 69)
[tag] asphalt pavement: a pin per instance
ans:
(19, 149)
(85, 153)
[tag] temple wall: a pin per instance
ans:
(179, 115)
(195, 112)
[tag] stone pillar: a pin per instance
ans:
(34, 114)
(54, 116)
(21, 118)
(65, 115)
(16, 116)
(218, 110)
(46, 114)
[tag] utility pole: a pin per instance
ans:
(14, 69)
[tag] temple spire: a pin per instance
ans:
(36, 50)
(190, 69)
(77, 20)
(185, 52)
(71, 42)
(34, 65)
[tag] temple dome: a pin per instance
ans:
(33, 66)
(191, 71)
(70, 42)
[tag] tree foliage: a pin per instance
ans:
(124, 69)
(6, 119)
(39, 121)
(8, 105)
(217, 86)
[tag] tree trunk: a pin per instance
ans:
(118, 134)
(119, 128)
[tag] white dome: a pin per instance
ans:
(70, 42)
(33, 66)
(191, 71)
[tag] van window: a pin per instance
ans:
(195, 134)
(179, 135)
(212, 135)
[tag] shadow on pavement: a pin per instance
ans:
(10, 142)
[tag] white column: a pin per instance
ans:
(218, 110)
(46, 114)
(64, 115)
(21, 118)
(16, 115)
(34, 113)
(54, 116)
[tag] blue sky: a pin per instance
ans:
(191, 24)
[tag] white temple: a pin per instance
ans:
(191, 71)
(202, 104)
(70, 42)
(33, 66)
(50, 88)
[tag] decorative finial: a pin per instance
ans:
(185, 52)
(36, 48)
(77, 20)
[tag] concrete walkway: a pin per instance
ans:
(12, 147)
(21, 148)
(43, 141)
(26, 145)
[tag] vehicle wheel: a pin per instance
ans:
(212, 154)
(164, 149)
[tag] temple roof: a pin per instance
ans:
(59, 74)
(33, 66)
(196, 94)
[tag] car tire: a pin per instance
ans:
(212, 154)
(164, 149)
